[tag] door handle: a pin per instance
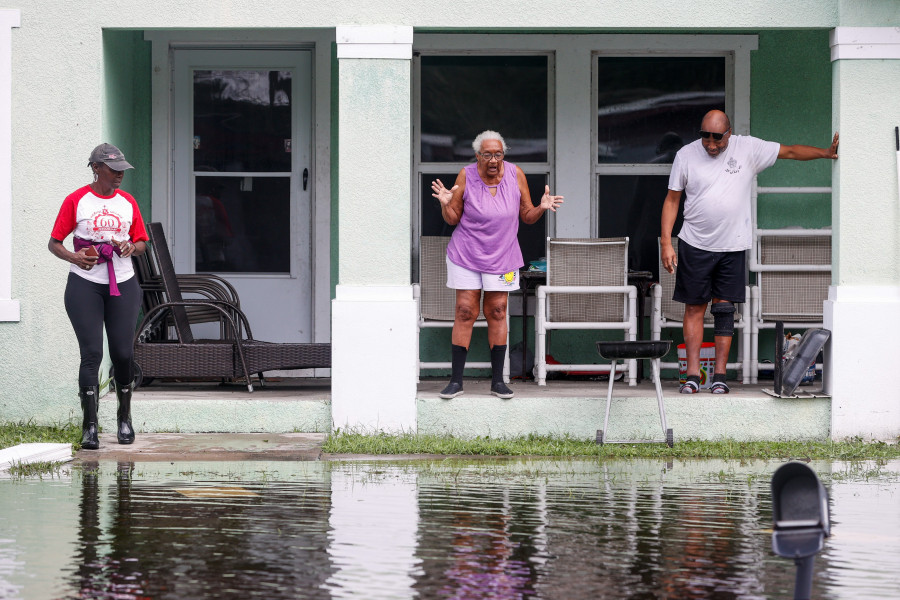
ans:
(305, 178)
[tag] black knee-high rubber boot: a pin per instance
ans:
(90, 399)
(124, 430)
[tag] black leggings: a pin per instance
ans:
(89, 307)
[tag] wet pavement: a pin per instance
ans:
(208, 447)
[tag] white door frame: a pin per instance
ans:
(288, 293)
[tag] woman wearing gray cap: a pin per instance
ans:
(101, 289)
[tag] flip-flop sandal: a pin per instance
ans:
(689, 387)
(719, 387)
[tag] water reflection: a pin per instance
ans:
(195, 539)
(484, 543)
(441, 529)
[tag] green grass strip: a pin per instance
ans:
(343, 442)
(13, 434)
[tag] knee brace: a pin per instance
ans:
(723, 318)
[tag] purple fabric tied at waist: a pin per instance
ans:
(106, 251)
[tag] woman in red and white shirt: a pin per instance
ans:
(101, 289)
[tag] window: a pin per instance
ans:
(647, 108)
(459, 97)
(242, 161)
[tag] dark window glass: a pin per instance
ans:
(646, 106)
(432, 221)
(242, 224)
(464, 95)
(532, 238)
(631, 205)
(242, 121)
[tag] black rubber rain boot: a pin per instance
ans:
(124, 430)
(90, 400)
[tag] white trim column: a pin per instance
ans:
(373, 377)
(9, 308)
(863, 306)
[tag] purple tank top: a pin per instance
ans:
(485, 238)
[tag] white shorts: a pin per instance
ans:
(461, 278)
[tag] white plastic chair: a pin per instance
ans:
(668, 313)
(436, 303)
(587, 288)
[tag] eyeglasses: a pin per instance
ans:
(489, 156)
(715, 136)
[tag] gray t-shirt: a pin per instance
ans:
(717, 205)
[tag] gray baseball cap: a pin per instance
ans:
(111, 156)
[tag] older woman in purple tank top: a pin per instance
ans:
(486, 203)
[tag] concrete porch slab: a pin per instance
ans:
(287, 405)
(577, 408)
(562, 407)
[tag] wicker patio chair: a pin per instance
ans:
(587, 288)
(436, 302)
(233, 355)
(791, 284)
(668, 313)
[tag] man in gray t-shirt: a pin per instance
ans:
(716, 175)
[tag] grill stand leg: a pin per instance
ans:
(659, 395)
(668, 436)
(612, 378)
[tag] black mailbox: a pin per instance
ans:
(801, 519)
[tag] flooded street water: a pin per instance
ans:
(455, 529)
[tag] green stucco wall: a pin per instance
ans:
(126, 122)
(790, 103)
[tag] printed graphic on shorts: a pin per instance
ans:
(508, 278)
(733, 167)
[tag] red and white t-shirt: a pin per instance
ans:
(101, 219)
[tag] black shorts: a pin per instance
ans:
(702, 275)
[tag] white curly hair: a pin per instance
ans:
(488, 135)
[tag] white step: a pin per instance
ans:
(33, 453)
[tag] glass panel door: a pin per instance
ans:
(241, 203)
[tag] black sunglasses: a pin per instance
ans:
(715, 136)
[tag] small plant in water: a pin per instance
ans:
(36, 469)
